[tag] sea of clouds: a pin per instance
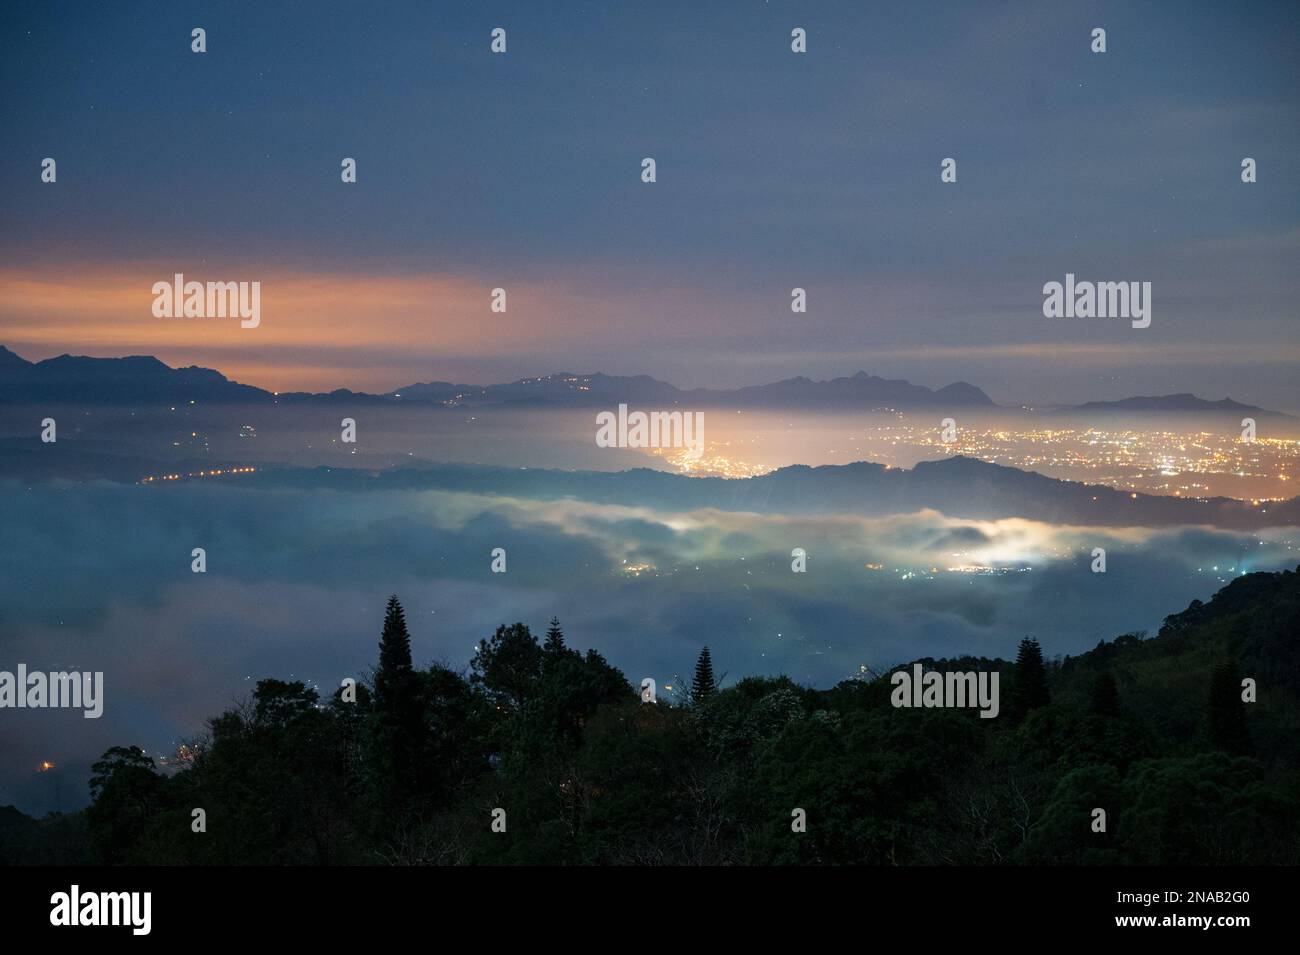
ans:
(97, 577)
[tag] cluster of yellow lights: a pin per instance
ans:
(709, 464)
(1200, 464)
(1120, 453)
(216, 472)
(184, 755)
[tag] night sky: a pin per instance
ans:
(775, 170)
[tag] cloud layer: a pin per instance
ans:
(98, 578)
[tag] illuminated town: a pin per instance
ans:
(1195, 464)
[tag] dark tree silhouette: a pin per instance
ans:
(277, 702)
(703, 686)
(394, 673)
(554, 645)
(1030, 687)
(396, 720)
(508, 665)
(126, 790)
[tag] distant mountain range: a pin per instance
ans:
(75, 379)
(1180, 402)
(958, 486)
(144, 380)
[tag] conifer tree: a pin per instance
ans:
(554, 644)
(1030, 688)
(396, 733)
(394, 673)
(704, 685)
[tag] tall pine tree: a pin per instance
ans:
(1030, 687)
(554, 644)
(704, 685)
(393, 677)
(396, 732)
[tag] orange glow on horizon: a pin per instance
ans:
(318, 331)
